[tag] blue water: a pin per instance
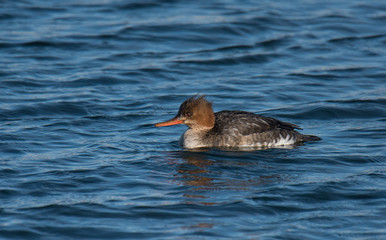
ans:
(83, 82)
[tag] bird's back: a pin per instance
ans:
(246, 129)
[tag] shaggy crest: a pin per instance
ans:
(197, 111)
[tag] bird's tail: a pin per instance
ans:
(310, 138)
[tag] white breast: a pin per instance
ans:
(192, 139)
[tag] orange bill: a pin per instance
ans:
(173, 121)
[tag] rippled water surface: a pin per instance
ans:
(83, 82)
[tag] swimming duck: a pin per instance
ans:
(232, 128)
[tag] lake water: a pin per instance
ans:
(83, 82)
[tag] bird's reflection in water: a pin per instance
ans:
(210, 174)
(215, 179)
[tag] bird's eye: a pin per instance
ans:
(188, 114)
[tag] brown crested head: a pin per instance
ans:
(196, 112)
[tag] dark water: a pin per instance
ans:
(83, 82)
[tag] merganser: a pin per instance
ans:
(232, 128)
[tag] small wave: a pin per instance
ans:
(380, 101)
(346, 109)
(24, 83)
(41, 9)
(43, 44)
(247, 58)
(8, 16)
(323, 76)
(138, 5)
(46, 109)
(269, 43)
(356, 38)
(101, 80)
